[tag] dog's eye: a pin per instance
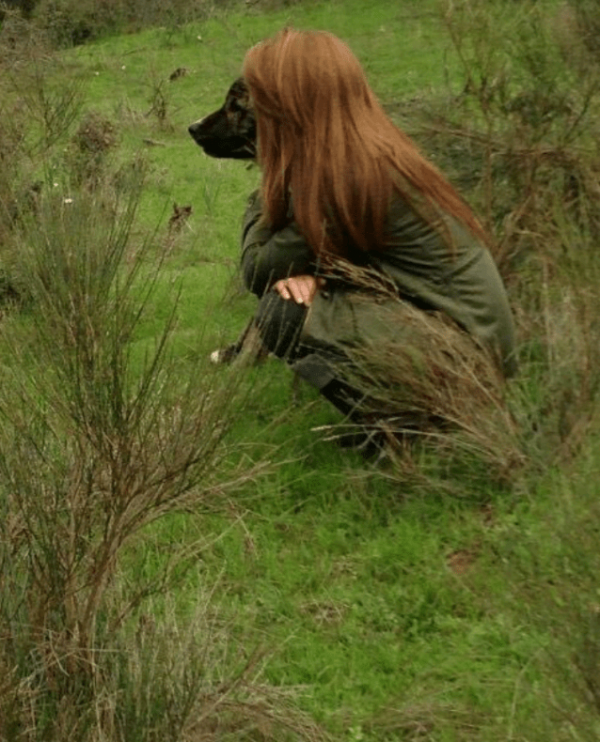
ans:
(234, 106)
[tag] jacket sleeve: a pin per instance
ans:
(269, 256)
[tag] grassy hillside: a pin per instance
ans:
(433, 598)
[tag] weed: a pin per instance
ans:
(159, 103)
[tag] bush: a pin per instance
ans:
(25, 7)
(521, 138)
(99, 439)
(72, 22)
(95, 138)
(35, 114)
(104, 433)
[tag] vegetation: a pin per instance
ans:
(185, 552)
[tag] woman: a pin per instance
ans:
(341, 182)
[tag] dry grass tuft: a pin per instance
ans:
(431, 382)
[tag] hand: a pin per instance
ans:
(301, 289)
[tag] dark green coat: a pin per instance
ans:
(464, 283)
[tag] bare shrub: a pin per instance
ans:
(520, 135)
(102, 434)
(159, 100)
(37, 111)
(16, 34)
(46, 105)
(530, 136)
(113, 440)
(24, 7)
(557, 317)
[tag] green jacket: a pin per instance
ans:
(463, 283)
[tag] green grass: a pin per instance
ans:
(381, 602)
(397, 610)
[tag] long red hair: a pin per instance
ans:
(324, 138)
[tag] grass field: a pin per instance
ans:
(441, 602)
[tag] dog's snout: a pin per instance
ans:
(194, 129)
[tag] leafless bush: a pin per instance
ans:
(531, 114)
(159, 100)
(44, 105)
(519, 134)
(101, 434)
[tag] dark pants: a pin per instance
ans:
(280, 323)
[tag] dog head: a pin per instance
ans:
(229, 132)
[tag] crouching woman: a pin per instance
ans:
(342, 185)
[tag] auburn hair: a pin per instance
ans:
(324, 139)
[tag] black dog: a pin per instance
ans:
(229, 132)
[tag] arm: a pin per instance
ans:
(268, 257)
